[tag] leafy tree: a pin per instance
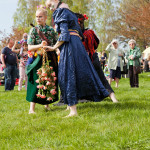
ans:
(25, 13)
(102, 15)
(134, 21)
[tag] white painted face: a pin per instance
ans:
(40, 18)
(52, 4)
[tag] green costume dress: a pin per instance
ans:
(31, 70)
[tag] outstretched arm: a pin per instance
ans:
(3, 60)
(108, 48)
(57, 45)
(36, 47)
(14, 48)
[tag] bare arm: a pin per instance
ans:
(108, 48)
(14, 48)
(57, 45)
(36, 47)
(57, 52)
(3, 60)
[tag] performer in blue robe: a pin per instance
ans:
(76, 75)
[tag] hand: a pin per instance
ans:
(48, 48)
(16, 42)
(4, 66)
(44, 43)
(57, 52)
(131, 57)
(120, 54)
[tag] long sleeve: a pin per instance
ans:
(127, 54)
(64, 33)
(108, 48)
(137, 54)
(61, 21)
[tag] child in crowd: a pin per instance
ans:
(23, 60)
(25, 36)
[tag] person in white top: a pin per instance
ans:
(115, 61)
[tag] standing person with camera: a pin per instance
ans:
(9, 61)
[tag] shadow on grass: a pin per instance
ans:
(98, 106)
(118, 106)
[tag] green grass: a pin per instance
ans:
(99, 126)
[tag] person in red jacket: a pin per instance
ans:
(91, 43)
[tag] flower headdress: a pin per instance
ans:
(41, 6)
(84, 17)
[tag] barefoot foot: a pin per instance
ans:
(68, 108)
(113, 98)
(73, 111)
(70, 115)
(31, 112)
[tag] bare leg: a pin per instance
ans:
(26, 81)
(110, 80)
(117, 82)
(68, 108)
(47, 107)
(32, 108)
(113, 98)
(73, 111)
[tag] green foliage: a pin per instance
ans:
(99, 126)
(25, 13)
(105, 17)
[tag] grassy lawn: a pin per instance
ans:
(99, 126)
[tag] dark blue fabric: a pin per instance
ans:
(115, 73)
(10, 57)
(10, 77)
(76, 75)
(29, 61)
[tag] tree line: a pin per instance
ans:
(122, 19)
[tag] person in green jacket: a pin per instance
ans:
(133, 55)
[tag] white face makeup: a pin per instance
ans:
(52, 5)
(40, 18)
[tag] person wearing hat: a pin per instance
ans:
(115, 61)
